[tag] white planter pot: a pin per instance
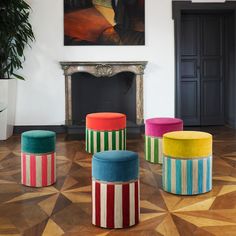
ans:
(7, 101)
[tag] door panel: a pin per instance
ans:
(189, 101)
(211, 68)
(212, 71)
(211, 35)
(189, 36)
(201, 81)
(190, 76)
(189, 68)
(212, 93)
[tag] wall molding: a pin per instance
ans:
(59, 129)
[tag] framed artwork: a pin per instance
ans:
(104, 22)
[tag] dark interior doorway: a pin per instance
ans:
(205, 63)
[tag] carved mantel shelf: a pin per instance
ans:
(100, 69)
(105, 69)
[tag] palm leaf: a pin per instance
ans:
(1, 110)
(15, 34)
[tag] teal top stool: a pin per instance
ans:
(38, 158)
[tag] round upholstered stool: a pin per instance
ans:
(105, 131)
(187, 162)
(155, 128)
(115, 189)
(38, 158)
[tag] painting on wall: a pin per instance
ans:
(104, 22)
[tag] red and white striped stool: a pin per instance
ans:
(115, 189)
(115, 205)
(38, 158)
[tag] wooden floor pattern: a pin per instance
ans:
(65, 208)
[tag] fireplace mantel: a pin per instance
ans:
(105, 69)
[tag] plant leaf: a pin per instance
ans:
(18, 76)
(15, 33)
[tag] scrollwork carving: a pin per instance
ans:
(141, 69)
(103, 70)
(65, 69)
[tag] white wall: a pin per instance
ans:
(41, 98)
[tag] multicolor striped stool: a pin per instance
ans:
(187, 162)
(105, 131)
(38, 158)
(115, 189)
(154, 130)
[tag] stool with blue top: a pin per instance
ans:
(115, 189)
(38, 158)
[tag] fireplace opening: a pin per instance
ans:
(112, 86)
(103, 94)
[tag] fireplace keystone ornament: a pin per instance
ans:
(104, 70)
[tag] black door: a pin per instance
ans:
(201, 80)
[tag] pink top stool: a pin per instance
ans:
(155, 128)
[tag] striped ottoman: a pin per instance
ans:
(115, 189)
(187, 162)
(154, 130)
(105, 131)
(38, 158)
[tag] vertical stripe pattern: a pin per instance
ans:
(98, 141)
(187, 176)
(115, 205)
(153, 149)
(38, 170)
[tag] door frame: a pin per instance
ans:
(178, 7)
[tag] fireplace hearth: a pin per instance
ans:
(103, 87)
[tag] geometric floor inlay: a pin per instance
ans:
(65, 208)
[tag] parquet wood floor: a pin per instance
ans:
(65, 208)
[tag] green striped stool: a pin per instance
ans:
(155, 128)
(153, 149)
(105, 131)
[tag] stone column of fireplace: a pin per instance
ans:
(68, 100)
(104, 69)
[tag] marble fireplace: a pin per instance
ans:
(103, 86)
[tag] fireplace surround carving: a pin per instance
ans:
(104, 69)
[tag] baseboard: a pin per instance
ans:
(62, 129)
(76, 132)
(231, 123)
(59, 129)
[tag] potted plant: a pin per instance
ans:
(15, 33)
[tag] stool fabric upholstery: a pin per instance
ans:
(115, 166)
(108, 121)
(189, 144)
(187, 162)
(105, 131)
(155, 128)
(38, 141)
(115, 189)
(38, 158)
